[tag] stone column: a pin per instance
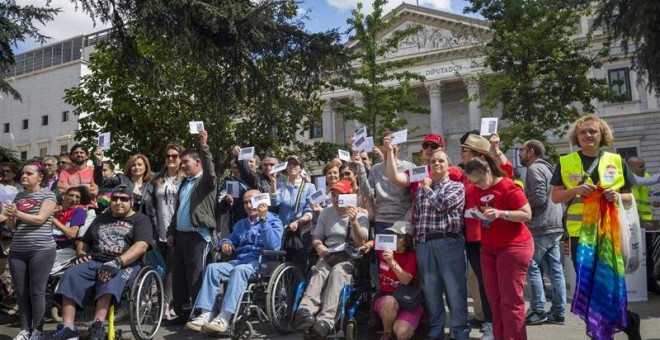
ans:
(434, 90)
(474, 112)
(328, 122)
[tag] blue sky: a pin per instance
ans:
(323, 15)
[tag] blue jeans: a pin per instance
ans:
(442, 268)
(215, 274)
(547, 253)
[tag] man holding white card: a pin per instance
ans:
(230, 194)
(337, 235)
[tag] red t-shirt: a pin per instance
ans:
(506, 196)
(74, 178)
(388, 279)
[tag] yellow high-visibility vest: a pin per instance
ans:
(610, 173)
(642, 196)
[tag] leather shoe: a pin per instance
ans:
(633, 330)
(303, 321)
(321, 329)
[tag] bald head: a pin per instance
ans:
(637, 165)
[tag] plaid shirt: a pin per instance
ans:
(439, 210)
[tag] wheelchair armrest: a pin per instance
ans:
(265, 252)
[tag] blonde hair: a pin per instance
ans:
(606, 135)
(147, 168)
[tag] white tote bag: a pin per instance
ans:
(631, 236)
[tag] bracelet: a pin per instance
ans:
(119, 261)
(506, 214)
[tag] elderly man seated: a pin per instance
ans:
(116, 239)
(260, 230)
(337, 235)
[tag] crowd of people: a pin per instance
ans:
(472, 216)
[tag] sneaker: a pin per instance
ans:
(97, 330)
(487, 328)
(321, 329)
(556, 320)
(534, 318)
(37, 335)
(303, 320)
(198, 322)
(23, 335)
(64, 333)
(217, 325)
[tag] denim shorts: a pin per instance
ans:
(80, 284)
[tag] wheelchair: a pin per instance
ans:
(271, 288)
(143, 300)
(354, 302)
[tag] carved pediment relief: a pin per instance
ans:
(429, 39)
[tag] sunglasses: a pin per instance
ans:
(120, 198)
(171, 156)
(347, 173)
(431, 146)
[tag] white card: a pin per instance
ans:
(279, 167)
(337, 248)
(246, 153)
(419, 173)
(475, 213)
(385, 242)
(399, 137)
(359, 144)
(104, 141)
(344, 155)
(347, 200)
(196, 127)
(361, 132)
(320, 183)
(368, 144)
(233, 189)
(303, 173)
(488, 126)
(317, 197)
(259, 199)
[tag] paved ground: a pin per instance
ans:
(572, 330)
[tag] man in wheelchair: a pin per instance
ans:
(339, 232)
(115, 240)
(260, 230)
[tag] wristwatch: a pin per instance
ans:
(506, 214)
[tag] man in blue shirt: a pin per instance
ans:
(260, 230)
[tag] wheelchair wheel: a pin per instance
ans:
(243, 330)
(281, 293)
(351, 329)
(146, 304)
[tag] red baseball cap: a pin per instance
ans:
(434, 138)
(343, 186)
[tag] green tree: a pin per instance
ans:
(248, 69)
(385, 90)
(17, 23)
(540, 70)
(636, 23)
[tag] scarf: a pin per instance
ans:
(600, 293)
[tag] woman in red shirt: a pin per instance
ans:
(506, 244)
(398, 267)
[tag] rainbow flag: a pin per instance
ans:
(600, 293)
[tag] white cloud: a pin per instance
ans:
(444, 5)
(70, 22)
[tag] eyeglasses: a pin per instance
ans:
(120, 198)
(347, 173)
(174, 156)
(431, 146)
(50, 165)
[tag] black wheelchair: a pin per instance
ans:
(142, 299)
(269, 296)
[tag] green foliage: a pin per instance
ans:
(637, 23)
(17, 23)
(541, 71)
(385, 91)
(8, 155)
(248, 69)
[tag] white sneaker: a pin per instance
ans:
(487, 327)
(23, 335)
(198, 322)
(218, 325)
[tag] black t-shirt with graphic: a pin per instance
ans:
(109, 237)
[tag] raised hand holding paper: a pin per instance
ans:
(104, 141)
(419, 173)
(246, 153)
(347, 200)
(488, 126)
(358, 145)
(344, 155)
(278, 168)
(361, 132)
(399, 137)
(196, 127)
(259, 199)
(385, 242)
(317, 197)
(233, 189)
(368, 144)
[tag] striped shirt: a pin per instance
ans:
(439, 210)
(29, 237)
